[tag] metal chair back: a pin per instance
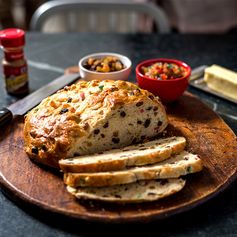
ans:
(99, 16)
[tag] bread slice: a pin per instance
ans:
(119, 159)
(182, 164)
(141, 191)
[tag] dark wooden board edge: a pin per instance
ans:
(20, 198)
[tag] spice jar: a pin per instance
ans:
(14, 64)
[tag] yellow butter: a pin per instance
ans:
(221, 80)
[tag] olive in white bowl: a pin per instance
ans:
(105, 66)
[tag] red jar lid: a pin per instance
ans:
(12, 37)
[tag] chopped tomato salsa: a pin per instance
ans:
(164, 71)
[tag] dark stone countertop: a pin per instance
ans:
(49, 54)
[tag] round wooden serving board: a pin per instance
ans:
(206, 134)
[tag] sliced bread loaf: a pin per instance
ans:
(118, 159)
(91, 117)
(182, 164)
(141, 191)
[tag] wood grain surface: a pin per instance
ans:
(206, 134)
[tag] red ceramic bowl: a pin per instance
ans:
(167, 90)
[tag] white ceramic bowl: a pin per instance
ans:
(118, 75)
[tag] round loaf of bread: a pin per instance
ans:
(90, 117)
